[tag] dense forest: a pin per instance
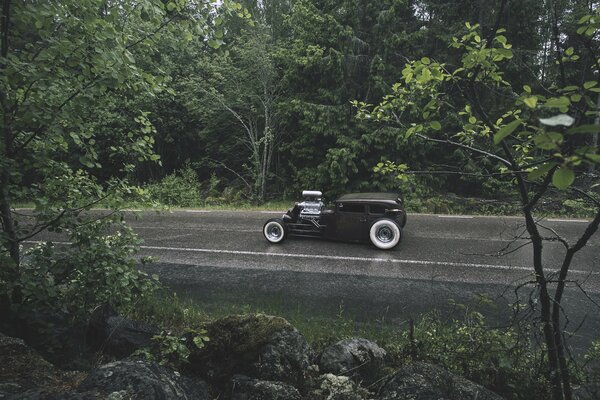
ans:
(257, 102)
(270, 113)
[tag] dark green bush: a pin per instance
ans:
(180, 189)
(503, 360)
(96, 267)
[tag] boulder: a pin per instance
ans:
(421, 381)
(333, 387)
(24, 374)
(284, 357)
(137, 379)
(245, 388)
(256, 345)
(114, 335)
(353, 357)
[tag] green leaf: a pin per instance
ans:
(531, 101)
(548, 140)
(583, 19)
(435, 125)
(563, 177)
(557, 102)
(584, 129)
(425, 60)
(594, 157)
(214, 44)
(506, 130)
(589, 84)
(527, 88)
(171, 6)
(541, 170)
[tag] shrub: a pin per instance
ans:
(180, 189)
(500, 359)
(96, 267)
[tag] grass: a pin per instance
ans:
(321, 326)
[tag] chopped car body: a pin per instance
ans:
(377, 218)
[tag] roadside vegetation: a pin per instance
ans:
(503, 359)
(183, 189)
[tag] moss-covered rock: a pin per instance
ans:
(256, 345)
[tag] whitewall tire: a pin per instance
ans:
(385, 234)
(274, 230)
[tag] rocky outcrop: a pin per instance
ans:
(421, 381)
(136, 379)
(259, 346)
(248, 357)
(245, 388)
(353, 357)
(114, 335)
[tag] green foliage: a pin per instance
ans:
(500, 359)
(180, 189)
(96, 267)
(171, 350)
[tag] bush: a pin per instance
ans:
(96, 267)
(500, 359)
(180, 189)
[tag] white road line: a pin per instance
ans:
(567, 220)
(348, 258)
(345, 258)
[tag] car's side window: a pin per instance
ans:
(377, 209)
(351, 208)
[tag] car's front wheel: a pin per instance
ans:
(274, 230)
(385, 234)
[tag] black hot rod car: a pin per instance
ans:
(358, 217)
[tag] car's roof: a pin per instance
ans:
(369, 197)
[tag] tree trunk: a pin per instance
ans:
(8, 223)
(554, 375)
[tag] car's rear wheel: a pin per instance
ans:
(385, 234)
(274, 230)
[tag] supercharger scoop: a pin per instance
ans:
(312, 206)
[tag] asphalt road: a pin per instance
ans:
(223, 255)
(215, 254)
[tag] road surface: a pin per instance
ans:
(222, 254)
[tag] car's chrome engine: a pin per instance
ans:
(311, 207)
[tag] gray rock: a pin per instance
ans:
(245, 388)
(353, 357)
(25, 375)
(259, 346)
(136, 379)
(284, 358)
(112, 334)
(421, 381)
(333, 387)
